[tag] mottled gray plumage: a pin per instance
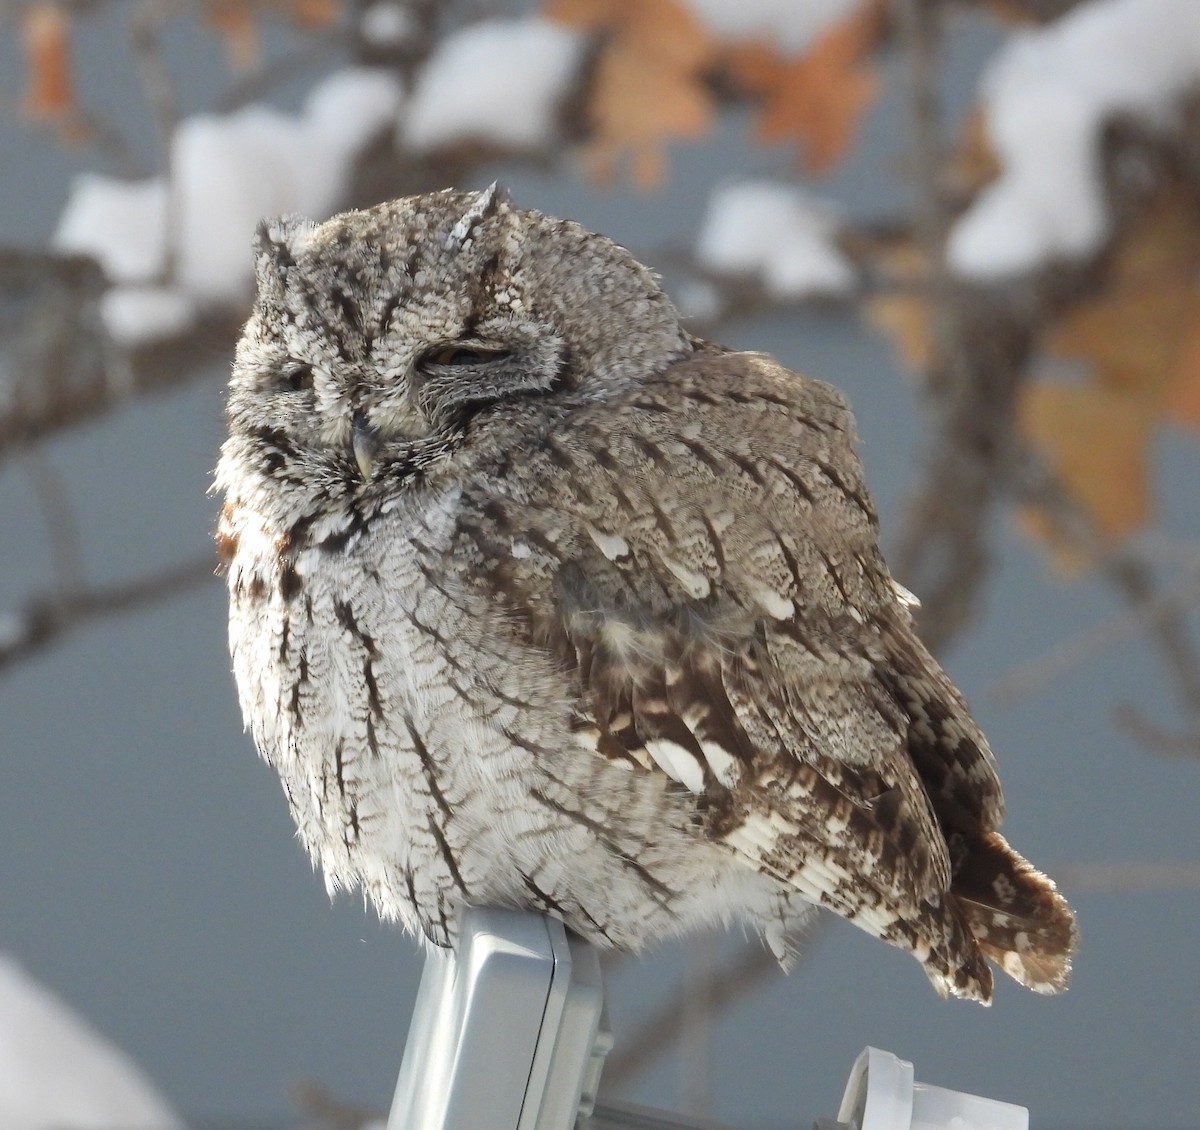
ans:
(538, 601)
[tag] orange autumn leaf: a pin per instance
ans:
(1012, 12)
(237, 25)
(1183, 396)
(819, 98)
(1133, 338)
(49, 92)
(647, 87)
(973, 163)
(313, 13)
(588, 15)
(1165, 240)
(638, 106)
(754, 66)
(1139, 337)
(1134, 331)
(1142, 332)
(908, 320)
(902, 310)
(1095, 440)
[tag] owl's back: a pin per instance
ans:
(701, 557)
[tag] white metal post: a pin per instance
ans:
(507, 1034)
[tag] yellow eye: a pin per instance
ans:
(461, 355)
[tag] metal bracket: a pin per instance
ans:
(509, 1033)
(506, 1030)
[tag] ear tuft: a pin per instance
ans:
(277, 242)
(484, 204)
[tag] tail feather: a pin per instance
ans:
(1015, 913)
(956, 965)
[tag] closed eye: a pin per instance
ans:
(462, 356)
(297, 376)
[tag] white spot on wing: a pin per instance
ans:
(696, 584)
(773, 603)
(723, 764)
(613, 546)
(677, 763)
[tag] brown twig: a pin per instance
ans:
(1040, 11)
(323, 1111)
(406, 55)
(941, 554)
(1170, 635)
(699, 1014)
(920, 32)
(68, 380)
(980, 347)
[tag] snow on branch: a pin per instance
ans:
(789, 26)
(779, 233)
(174, 245)
(498, 81)
(1047, 97)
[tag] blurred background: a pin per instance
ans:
(979, 218)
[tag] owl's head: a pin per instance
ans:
(381, 333)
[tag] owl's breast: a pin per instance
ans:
(398, 708)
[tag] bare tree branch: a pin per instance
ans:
(145, 23)
(1153, 736)
(983, 342)
(1128, 878)
(1039, 11)
(729, 982)
(1031, 482)
(656, 1036)
(979, 352)
(44, 620)
(697, 1021)
(1166, 603)
(72, 377)
(406, 54)
(62, 525)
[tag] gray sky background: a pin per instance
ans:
(150, 873)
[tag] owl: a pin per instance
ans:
(539, 601)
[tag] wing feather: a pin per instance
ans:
(719, 596)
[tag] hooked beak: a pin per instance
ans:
(364, 443)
